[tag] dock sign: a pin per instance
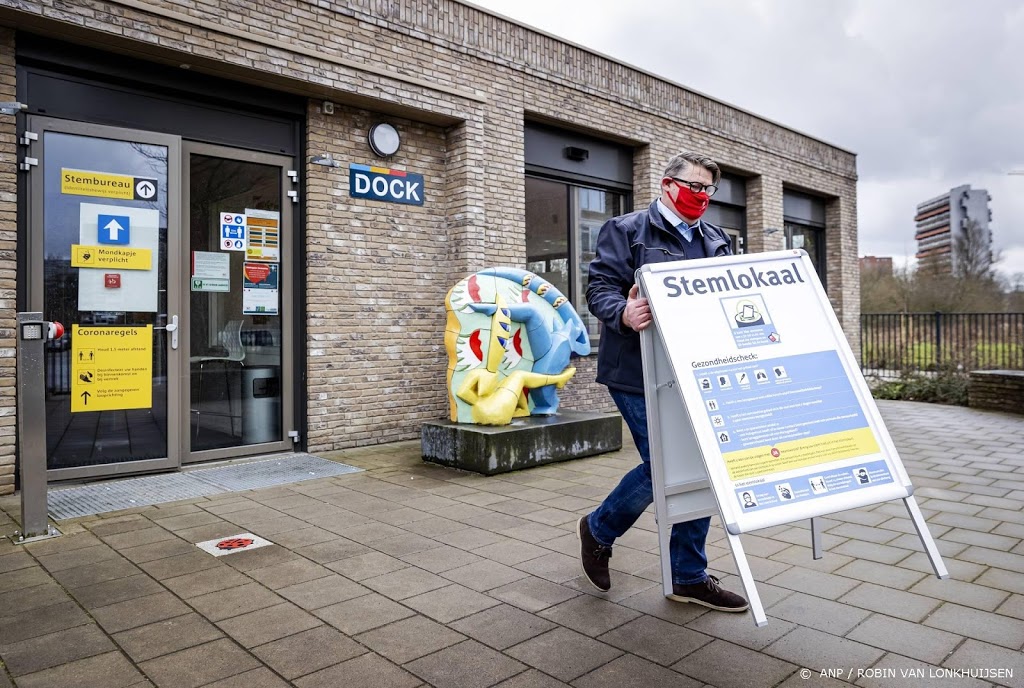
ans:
(383, 184)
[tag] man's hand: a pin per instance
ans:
(637, 315)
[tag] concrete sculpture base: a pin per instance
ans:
(527, 442)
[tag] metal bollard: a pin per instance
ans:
(33, 332)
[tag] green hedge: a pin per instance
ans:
(944, 388)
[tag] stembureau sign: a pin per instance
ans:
(107, 185)
(111, 368)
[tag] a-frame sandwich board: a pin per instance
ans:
(757, 410)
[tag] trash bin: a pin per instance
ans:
(261, 404)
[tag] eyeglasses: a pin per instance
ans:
(696, 187)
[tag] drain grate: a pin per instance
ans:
(267, 473)
(114, 495)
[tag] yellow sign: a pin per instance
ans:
(101, 184)
(111, 368)
(106, 185)
(801, 453)
(107, 257)
(263, 240)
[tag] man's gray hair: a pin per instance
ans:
(681, 162)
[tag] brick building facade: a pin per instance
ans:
(461, 85)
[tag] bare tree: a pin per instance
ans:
(929, 289)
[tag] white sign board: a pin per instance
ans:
(111, 288)
(210, 264)
(747, 368)
(211, 271)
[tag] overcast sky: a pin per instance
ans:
(928, 93)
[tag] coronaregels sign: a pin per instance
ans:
(383, 184)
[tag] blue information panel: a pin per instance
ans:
(789, 412)
(232, 231)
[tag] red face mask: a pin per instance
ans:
(689, 205)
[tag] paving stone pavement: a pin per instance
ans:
(410, 574)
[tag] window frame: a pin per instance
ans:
(572, 228)
(820, 257)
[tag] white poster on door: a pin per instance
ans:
(119, 237)
(211, 271)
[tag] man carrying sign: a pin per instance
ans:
(670, 229)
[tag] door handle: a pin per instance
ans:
(172, 328)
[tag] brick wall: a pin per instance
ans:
(8, 266)
(463, 82)
(376, 342)
(996, 390)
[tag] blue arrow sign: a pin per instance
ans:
(113, 229)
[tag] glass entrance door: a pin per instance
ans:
(238, 215)
(103, 260)
(169, 264)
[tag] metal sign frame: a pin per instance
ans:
(689, 476)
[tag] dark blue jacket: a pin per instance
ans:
(625, 244)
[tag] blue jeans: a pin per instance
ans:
(634, 494)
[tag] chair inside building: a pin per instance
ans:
(219, 394)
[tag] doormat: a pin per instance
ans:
(130, 493)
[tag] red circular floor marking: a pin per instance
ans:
(234, 543)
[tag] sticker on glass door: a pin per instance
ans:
(232, 231)
(111, 368)
(263, 229)
(116, 257)
(259, 288)
(211, 271)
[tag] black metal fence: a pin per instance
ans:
(58, 367)
(910, 342)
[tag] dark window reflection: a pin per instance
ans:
(234, 354)
(88, 438)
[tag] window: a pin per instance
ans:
(547, 238)
(563, 221)
(574, 184)
(728, 210)
(595, 207)
(804, 218)
(810, 239)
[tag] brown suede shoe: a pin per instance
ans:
(593, 557)
(710, 594)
